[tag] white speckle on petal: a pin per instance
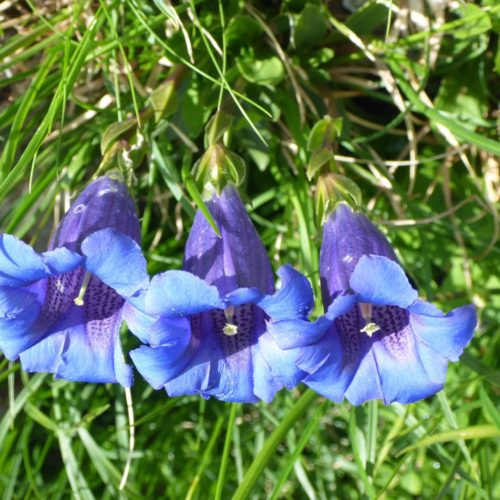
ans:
(105, 191)
(60, 286)
(79, 208)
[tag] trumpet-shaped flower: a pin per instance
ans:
(377, 340)
(208, 333)
(61, 310)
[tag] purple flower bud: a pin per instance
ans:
(347, 236)
(105, 203)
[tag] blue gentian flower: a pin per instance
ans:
(61, 310)
(208, 335)
(377, 340)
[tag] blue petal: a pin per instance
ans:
(265, 384)
(425, 308)
(196, 376)
(323, 363)
(19, 311)
(366, 382)
(117, 260)
(20, 265)
(243, 296)
(238, 258)
(347, 236)
(44, 356)
(231, 377)
(298, 333)
(168, 331)
(340, 305)
(435, 366)
(61, 260)
(138, 322)
(92, 351)
(282, 363)
(104, 203)
(381, 281)
(158, 365)
(402, 376)
(294, 300)
(176, 293)
(447, 335)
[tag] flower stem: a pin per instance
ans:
(260, 462)
(225, 453)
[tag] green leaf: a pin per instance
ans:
(324, 133)
(192, 189)
(115, 131)
(241, 29)
(38, 416)
(310, 28)
(368, 18)
(473, 432)
(268, 71)
(480, 22)
(162, 100)
(217, 126)
(349, 188)
(318, 159)
(464, 97)
(235, 167)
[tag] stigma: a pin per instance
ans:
(366, 312)
(229, 328)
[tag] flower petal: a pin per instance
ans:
(61, 260)
(243, 296)
(158, 365)
(20, 265)
(381, 281)
(168, 331)
(341, 305)
(282, 363)
(104, 203)
(403, 378)
(446, 335)
(44, 356)
(138, 322)
(323, 363)
(195, 376)
(265, 384)
(290, 334)
(19, 311)
(235, 260)
(365, 384)
(117, 260)
(294, 300)
(176, 293)
(92, 351)
(347, 236)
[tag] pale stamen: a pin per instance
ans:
(230, 328)
(79, 300)
(366, 312)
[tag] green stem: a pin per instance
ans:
(225, 452)
(276, 437)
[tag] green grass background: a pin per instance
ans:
(417, 89)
